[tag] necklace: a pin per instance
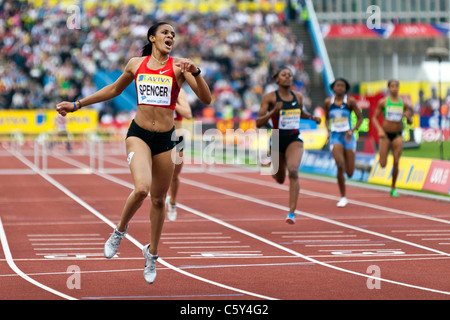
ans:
(160, 61)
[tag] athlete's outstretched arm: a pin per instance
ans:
(106, 93)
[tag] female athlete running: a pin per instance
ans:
(338, 109)
(393, 109)
(284, 108)
(158, 78)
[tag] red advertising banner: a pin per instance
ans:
(348, 31)
(433, 135)
(415, 31)
(389, 30)
(438, 177)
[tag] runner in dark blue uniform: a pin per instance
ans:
(284, 108)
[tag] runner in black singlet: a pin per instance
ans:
(284, 108)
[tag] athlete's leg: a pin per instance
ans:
(140, 162)
(349, 162)
(338, 155)
(162, 171)
(397, 148)
(175, 184)
(383, 149)
(280, 160)
(293, 156)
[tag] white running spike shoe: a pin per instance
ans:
(150, 265)
(171, 210)
(342, 203)
(112, 245)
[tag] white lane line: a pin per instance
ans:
(185, 238)
(198, 213)
(321, 236)
(329, 197)
(66, 249)
(128, 236)
(297, 254)
(414, 231)
(225, 255)
(336, 242)
(194, 234)
(198, 242)
(302, 213)
(307, 232)
(67, 239)
(404, 258)
(220, 251)
(210, 247)
(13, 266)
(285, 209)
(345, 245)
(69, 244)
(413, 257)
(427, 234)
(380, 250)
(80, 255)
(63, 235)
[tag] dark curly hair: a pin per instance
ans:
(347, 84)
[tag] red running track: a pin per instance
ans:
(229, 242)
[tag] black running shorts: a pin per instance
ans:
(158, 142)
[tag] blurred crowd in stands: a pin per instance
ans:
(43, 61)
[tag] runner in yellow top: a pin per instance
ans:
(393, 109)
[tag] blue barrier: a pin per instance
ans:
(322, 162)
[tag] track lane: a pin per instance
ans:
(108, 222)
(192, 196)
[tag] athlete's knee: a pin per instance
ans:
(141, 191)
(293, 173)
(340, 165)
(158, 201)
(175, 178)
(350, 173)
(382, 163)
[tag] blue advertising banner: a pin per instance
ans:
(322, 162)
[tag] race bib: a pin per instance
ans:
(340, 125)
(154, 89)
(289, 119)
(394, 113)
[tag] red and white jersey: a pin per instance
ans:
(157, 88)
